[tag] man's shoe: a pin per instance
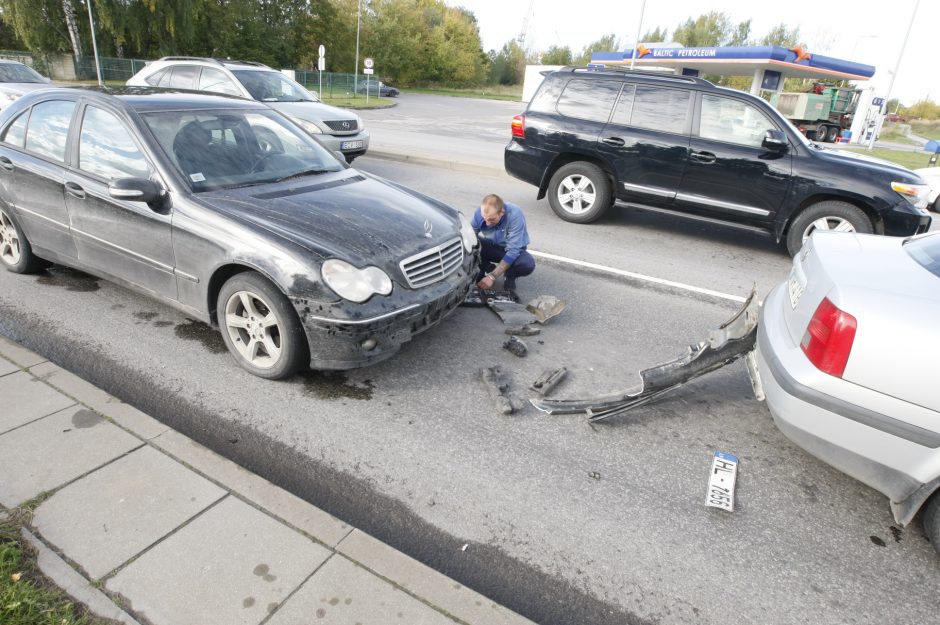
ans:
(510, 284)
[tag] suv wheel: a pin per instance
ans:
(831, 215)
(579, 192)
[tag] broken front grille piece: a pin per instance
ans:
(729, 342)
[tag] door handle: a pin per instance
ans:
(75, 190)
(703, 157)
(615, 141)
(6, 163)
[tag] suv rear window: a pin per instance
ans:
(926, 252)
(589, 99)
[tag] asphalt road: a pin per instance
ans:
(561, 521)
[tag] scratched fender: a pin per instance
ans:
(730, 341)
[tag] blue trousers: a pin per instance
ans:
(491, 254)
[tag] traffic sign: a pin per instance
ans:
(368, 63)
(321, 64)
(877, 101)
(368, 71)
(322, 51)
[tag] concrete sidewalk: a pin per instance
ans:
(144, 525)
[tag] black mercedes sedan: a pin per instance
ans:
(229, 212)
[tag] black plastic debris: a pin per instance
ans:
(498, 385)
(526, 330)
(730, 341)
(549, 379)
(516, 346)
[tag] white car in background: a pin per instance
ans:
(17, 79)
(846, 357)
(337, 129)
(931, 176)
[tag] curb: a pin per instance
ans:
(471, 168)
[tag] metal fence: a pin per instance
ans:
(111, 68)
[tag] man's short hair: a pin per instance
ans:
(492, 202)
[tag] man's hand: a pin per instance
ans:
(486, 282)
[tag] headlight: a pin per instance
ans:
(362, 125)
(356, 285)
(467, 234)
(916, 194)
(308, 126)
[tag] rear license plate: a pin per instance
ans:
(721, 481)
(795, 287)
(350, 145)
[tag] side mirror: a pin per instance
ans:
(136, 190)
(775, 140)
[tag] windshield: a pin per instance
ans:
(926, 251)
(271, 86)
(228, 149)
(16, 72)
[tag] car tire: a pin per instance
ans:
(349, 159)
(833, 135)
(260, 327)
(820, 134)
(932, 520)
(936, 205)
(579, 192)
(16, 253)
(829, 215)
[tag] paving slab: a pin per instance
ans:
(422, 581)
(231, 565)
(324, 527)
(19, 354)
(50, 452)
(125, 415)
(106, 518)
(7, 367)
(23, 398)
(343, 593)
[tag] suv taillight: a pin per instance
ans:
(518, 126)
(828, 338)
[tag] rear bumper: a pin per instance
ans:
(825, 415)
(525, 163)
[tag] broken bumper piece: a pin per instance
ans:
(724, 345)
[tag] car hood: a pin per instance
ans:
(19, 88)
(864, 160)
(315, 112)
(344, 215)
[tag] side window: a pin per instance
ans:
(105, 147)
(15, 134)
(154, 78)
(183, 77)
(624, 108)
(589, 99)
(216, 81)
(666, 110)
(732, 121)
(544, 99)
(48, 128)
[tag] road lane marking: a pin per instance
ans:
(639, 276)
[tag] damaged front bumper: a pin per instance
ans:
(730, 341)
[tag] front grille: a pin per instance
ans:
(343, 125)
(432, 265)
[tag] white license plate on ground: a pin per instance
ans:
(795, 287)
(721, 481)
(350, 145)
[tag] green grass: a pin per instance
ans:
(893, 133)
(26, 596)
(911, 160)
(359, 103)
(490, 92)
(928, 130)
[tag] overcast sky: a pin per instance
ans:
(838, 28)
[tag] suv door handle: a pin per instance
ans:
(6, 163)
(75, 190)
(703, 157)
(615, 141)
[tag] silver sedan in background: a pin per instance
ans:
(847, 356)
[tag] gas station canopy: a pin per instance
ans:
(767, 64)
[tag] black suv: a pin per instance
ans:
(594, 137)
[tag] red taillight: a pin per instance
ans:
(829, 337)
(518, 126)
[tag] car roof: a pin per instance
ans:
(148, 99)
(229, 63)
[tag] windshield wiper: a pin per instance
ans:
(306, 172)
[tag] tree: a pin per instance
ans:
(710, 29)
(654, 36)
(40, 24)
(782, 36)
(507, 67)
(607, 43)
(557, 55)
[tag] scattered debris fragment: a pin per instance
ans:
(464, 548)
(548, 380)
(477, 297)
(721, 481)
(544, 307)
(730, 341)
(497, 384)
(594, 475)
(512, 313)
(516, 346)
(526, 330)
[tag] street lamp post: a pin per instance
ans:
(358, 22)
(639, 26)
(94, 45)
(894, 74)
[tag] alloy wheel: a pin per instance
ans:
(835, 224)
(9, 240)
(254, 329)
(577, 194)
